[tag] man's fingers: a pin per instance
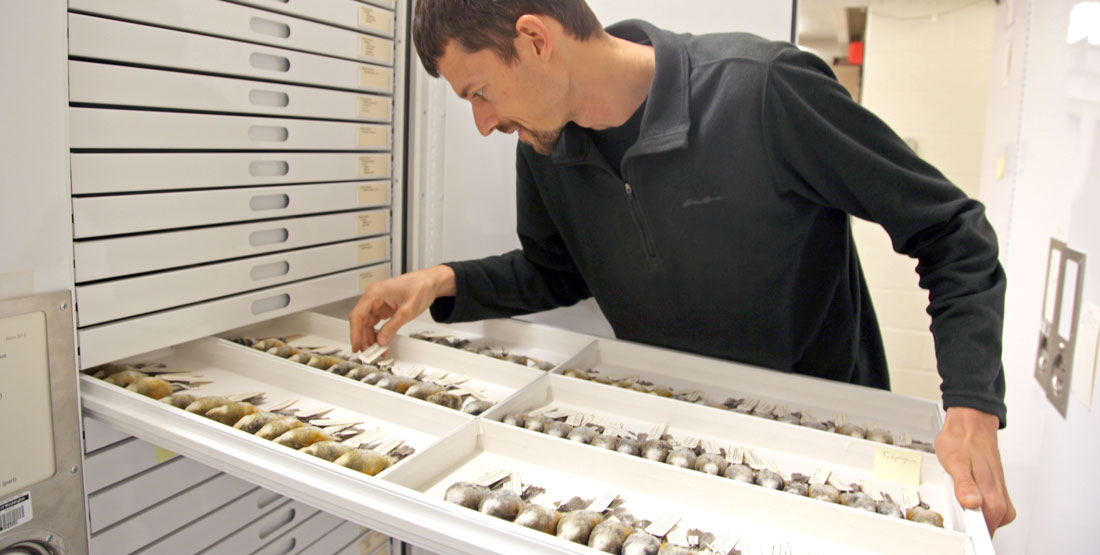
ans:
(362, 320)
(400, 317)
(956, 462)
(994, 505)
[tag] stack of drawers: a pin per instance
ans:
(147, 500)
(231, 162)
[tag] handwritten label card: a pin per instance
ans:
(897, 465)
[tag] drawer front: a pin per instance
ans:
(109, 342)
(127, 129)
(153, 524)
(334, 540)
(372, 543)
(132, 172)
(105, 39)
(114, 85)
(345, 13)
(118, 462)
(115, 215)
(303, 535)
(383, 3)
(129, 497)
(238, 22)
(106, 258)
(213, 525)
(124, 298)
(264, 529)
(98, 435)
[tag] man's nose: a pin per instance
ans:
(484, 118)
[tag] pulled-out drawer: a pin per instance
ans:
(106, 39)
(98, 435)
(131, 129)
(247, 501)
(114, 85)
(237, 22)
(121, 461)
(121, 500)
(115, 257)
(116, 215)
(145, 171)
(108, 342)
(345, 13)
(123, 298)
(301, 536)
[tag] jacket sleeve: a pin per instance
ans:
(833, 152)
(539, 276)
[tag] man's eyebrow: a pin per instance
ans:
(465, 92)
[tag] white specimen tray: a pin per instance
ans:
(494, 379)
(719, 380)
(763, 519)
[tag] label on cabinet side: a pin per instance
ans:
(376, 78)
(374, 250)
(374, 165)
(373, 136)
(371, 194)
(373, 107)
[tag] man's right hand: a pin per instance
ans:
(400, 299)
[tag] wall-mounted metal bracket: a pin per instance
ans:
(1058, 325)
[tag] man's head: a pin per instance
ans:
(498, 54)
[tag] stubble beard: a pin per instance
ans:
(542, 141)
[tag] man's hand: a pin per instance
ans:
(967, 449)
(400, 299)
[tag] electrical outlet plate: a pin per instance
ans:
(1058, 325)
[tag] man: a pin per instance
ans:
(699, 187)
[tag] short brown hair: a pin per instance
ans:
(481, 24)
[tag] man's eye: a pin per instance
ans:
(480, 94)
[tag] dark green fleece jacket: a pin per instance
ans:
(728, 234)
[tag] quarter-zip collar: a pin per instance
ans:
(666, 120)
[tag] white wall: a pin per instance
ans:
(35, 212)
(469, 196)
(1053, 189)
(928, 79)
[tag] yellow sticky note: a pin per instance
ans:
(1001, 166)
(897, 465)
(163, 454)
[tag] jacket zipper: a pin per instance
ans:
(639, 220)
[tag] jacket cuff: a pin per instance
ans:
(987, 405)
(446, 310)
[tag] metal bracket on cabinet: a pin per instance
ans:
(1058, 326)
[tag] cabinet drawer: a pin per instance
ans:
(214, 525)
(132, 172)
(345, 13)
(371, 543)
(106, 258)
(114, 85)
(384, 3)
(237, 22)
(106, 39)
(115, 215)
(150, 525)
(109, 342)
(123, 298)
(335, 540)
(302, 535)
(98, 435)
(112, 504)
(131, 129)
(118, 462)
(263, 529)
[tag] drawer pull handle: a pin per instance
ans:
(268, 98)
(267, 305)
(268, 237)
(273, 526)
(268, 168)
(268, 27)
(286, 547)
(266, 498)
(268, 202)
(268, 133)
(268, 271)
(269, 62)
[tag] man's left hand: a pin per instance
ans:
(967, 449)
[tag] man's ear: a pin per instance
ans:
(533, 37)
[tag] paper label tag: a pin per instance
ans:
(753, 459)
(724, 544)
(514, 484)
(602, 502)
(690, 442)
(492, 477)
(871, 489)
(748, 405)
(735, 454)
(373, 353)
(819, 477)
(374, 108)
(575, 419)
(897, 465)
(711, 446)
(657, 431)
(663, 525)
(388, 447)
(370, 276)
(373, 136)
(365, 223)
(412, 372)
(365, 438)
(16, 511)
(840, 419)
(372, 251)
(372, 165)
(368, 47)
(836, 483)
(771, 465)
(678, 536)
(374, 18)
(909, 498)
(375, 78)
(371, 194)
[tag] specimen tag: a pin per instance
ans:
(575, 419)
(661, 526)
(387, 447)
(724, 544)
(602, 502)
(909, 498)
(514, 484)
(690, 443)
(836, 483)
(748, 405)
(820, 476)
(492, 477)
(753, 459)
(735, 454)
(373, 353)
(871, 489)
(897, 465)
(711, 446)
(657, 431)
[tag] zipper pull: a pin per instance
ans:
(629, 191)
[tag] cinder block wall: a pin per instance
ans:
(928, 78)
